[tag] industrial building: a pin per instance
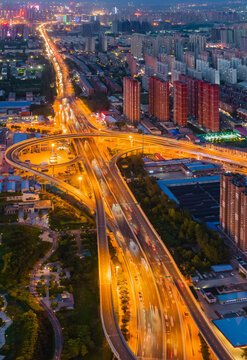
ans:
(234, 329)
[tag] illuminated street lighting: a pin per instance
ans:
(80, 179)
(52, 146)
(131, 140)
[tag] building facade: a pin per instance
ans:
(132, 93)
(208, 105)
(233, 208)
(180, 103)
(158, 96)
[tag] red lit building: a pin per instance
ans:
(132, 64)
(180, 103)
(208, 105)
(132, 93)
(192, 92)
(151, 61)
(158, 97)
(233, 208)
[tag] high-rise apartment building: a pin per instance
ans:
(151, 61)
(180, 103)
(212, 75)
(189, 59)
(233, 208)
(208, 105)
(192, 94)
(149, 71)
(102, 42)
(180, 66)
(132, 93)
(137, 45)
(90, 44)
(132, 64)
(158, 98)
(197, 43)
(162, 70)
(202, 66)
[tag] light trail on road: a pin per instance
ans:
(109, 188)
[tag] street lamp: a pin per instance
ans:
(80, 179)
(52, 146)
(131, 140)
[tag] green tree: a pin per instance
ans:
(204, 348)
(244, 353)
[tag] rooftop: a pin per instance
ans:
(234, 296)
(234, 329)
(222, 268)
(12, 104)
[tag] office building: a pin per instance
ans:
(208, 105)
(132, 93)
(180, 103)
(233, 208)
(158, 98)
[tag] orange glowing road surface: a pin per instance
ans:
(157, 282)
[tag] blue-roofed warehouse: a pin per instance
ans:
(198, 167)
(192, 194)
(7, 107)
(20, 137)
(233, 297)
(234, 329)
(222, 268)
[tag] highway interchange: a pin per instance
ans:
(154, 275)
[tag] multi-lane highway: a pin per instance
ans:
(160, 331)
(200, 319)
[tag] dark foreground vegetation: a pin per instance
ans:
(82, 330)
(30, 336)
